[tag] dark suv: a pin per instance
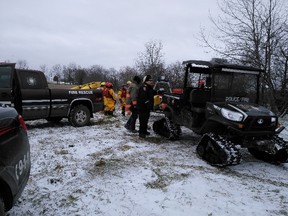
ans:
(14, 157)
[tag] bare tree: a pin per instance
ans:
(251, 32)
(96, 73)
(45, 70)
(22, 64)
(175, 73)
(126, 73)
(56, 70)
(79, 76)
(151, 60)
(73, 73)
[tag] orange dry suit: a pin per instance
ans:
(110, 99)
(122, 98)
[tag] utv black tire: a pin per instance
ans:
(218, 151)
(54, 119)
(166, 128)
(279, 157)
(156, 127)
(79, 116)
(2, 207)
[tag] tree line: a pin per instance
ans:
(150, 61)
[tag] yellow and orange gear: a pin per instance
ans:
(122, 98)
(109, 98)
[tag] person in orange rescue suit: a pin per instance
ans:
(131, 102)
(110, 99)
(103, 87)
(145, 103)
(122, 98)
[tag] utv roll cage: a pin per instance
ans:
(217, 66)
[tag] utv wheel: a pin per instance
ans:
(79, 116)
(2, 207)
(218, 151)
(279, 156)
(156, 127)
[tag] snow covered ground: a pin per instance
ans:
(104, 170)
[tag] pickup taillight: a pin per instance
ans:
(22, 122)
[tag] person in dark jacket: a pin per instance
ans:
(145, 102)
(131, 103)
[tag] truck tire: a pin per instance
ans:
(79, 116)
(2, 207)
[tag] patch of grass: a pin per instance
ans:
(103, 166)
(160, 182)
(72, 199)
(58, 167)
(157, 184)
(275, 191)
(97, 155)
(124, 147)
(164, 178)
(63, 152)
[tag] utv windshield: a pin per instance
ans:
(235, 86)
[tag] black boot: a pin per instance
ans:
(111, 113)
(123, 111)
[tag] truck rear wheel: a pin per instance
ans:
(79, 116)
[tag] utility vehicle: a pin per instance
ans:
(220, 101)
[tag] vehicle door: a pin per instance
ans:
(5, 83)
(31, 94)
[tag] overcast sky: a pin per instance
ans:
(109, 33)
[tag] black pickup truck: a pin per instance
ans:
(28, 92)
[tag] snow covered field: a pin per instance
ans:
(104, 170)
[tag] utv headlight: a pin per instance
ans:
(231, 115)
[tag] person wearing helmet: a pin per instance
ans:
(145, 103)
(109, 98)
(131, 104)
(128, 83)
(103, 87)
(122, 98)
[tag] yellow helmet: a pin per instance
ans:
(129, 82)
(103, 84)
